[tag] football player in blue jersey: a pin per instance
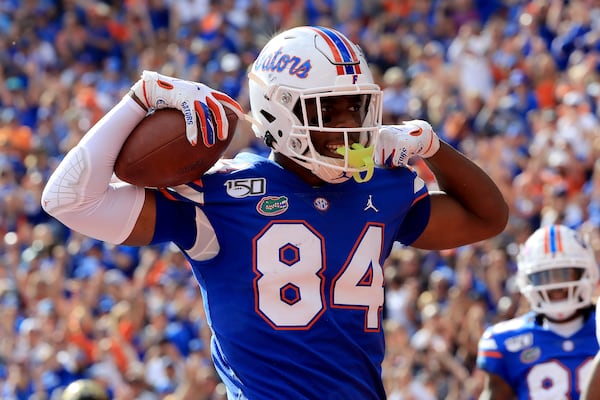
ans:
(548, 352)
(287, 250)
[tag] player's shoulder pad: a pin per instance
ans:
(513, 334)
(402, 177)
(512, 325)
(419, 185)
(240, 162)
(227, 165)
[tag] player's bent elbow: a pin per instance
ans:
(49, 200)
(493, 218)
(500, 220)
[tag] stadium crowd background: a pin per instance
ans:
(513, 84)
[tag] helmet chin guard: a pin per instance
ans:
(557, 272)
(307, 65)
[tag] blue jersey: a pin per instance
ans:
(294, 294)
(536, 362)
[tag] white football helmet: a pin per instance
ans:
(557, 257)
(295, 71)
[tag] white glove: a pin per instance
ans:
(396, 144)
(192, 98)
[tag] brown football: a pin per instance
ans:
(158, 154)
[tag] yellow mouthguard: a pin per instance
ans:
(359, 157)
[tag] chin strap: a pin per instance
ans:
(359, 157)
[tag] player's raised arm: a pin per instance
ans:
(80, 193)
(469, 206)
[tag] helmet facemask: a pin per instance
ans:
(349, 151)
(572, 284)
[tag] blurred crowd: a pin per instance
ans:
(511, 83)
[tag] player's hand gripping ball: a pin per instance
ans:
(396, 144)
(157, 152)
(156, 91)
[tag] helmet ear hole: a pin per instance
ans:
(269, 139)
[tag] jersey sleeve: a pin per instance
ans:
(490, 356)
(417, 218)
(175, 222)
